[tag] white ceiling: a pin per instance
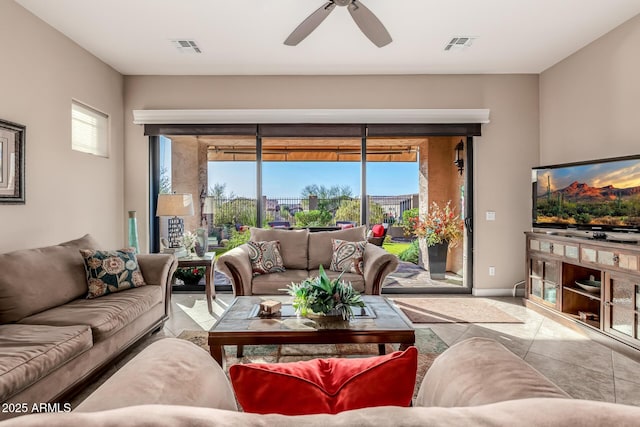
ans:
(245, 37)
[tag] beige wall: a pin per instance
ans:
(503, 155)
(589, 101)
(68, 193)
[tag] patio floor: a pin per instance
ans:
(409, 275)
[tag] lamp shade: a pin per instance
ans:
(175, 205)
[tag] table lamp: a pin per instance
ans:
(175, 206)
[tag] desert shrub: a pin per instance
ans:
(313, 218)
(349, 210)
(412, 253)
(238, 238)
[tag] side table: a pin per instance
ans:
(208, 261)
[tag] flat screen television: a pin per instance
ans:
(594, 195)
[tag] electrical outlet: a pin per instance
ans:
(492, 271)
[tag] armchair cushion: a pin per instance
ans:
(265, 257)
(293, 244)
(356, 280)
(348, 256)
(275, 283)
(320, 249)
(326, 386)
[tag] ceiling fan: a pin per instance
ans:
(368, 23)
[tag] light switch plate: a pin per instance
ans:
(491, 216)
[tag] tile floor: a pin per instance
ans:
(583, 368)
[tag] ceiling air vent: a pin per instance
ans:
(187, 46)
(459, 43)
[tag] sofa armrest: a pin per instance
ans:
(157, 270)
(479, 371)
(237, 266)
(378, 263)
(170, 371)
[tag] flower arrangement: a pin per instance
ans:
(321, 295)
(190, 275)
(189, 240)
(439, 226)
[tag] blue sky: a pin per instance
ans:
(287, 179)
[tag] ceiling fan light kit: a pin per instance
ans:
(368, 23)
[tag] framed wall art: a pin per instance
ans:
(12, 141)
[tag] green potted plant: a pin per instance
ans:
(324, 296)
(441, 229)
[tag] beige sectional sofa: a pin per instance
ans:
(51, 337)
(477, 382)
(303, 253)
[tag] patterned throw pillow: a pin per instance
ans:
(111, 271)
(348, 256)
(265, 257)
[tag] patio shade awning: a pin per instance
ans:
(379, 149)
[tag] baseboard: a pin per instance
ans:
(492, 292)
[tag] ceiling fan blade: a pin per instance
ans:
(369, 24)
(311, 23)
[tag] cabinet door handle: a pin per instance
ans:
(616, 258)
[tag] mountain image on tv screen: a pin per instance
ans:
(605, 193)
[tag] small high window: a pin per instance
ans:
(89, 130)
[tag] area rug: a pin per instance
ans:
(428, 343)
(452, 310)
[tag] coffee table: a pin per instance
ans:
(379, 323)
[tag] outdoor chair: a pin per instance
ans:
(279, 224)
(345, 224)
(378, 233)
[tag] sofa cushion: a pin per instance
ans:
(320, 249)
(30, 352)
(105, 315)
(33, 280)
(356, 280)
(326, 386)
(274, 283)
(348, 256)
(265, 257)
(111, 271)
(478, 371)
(293, 244)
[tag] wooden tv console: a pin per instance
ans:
(554, 264)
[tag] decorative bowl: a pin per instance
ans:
(592, 286)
